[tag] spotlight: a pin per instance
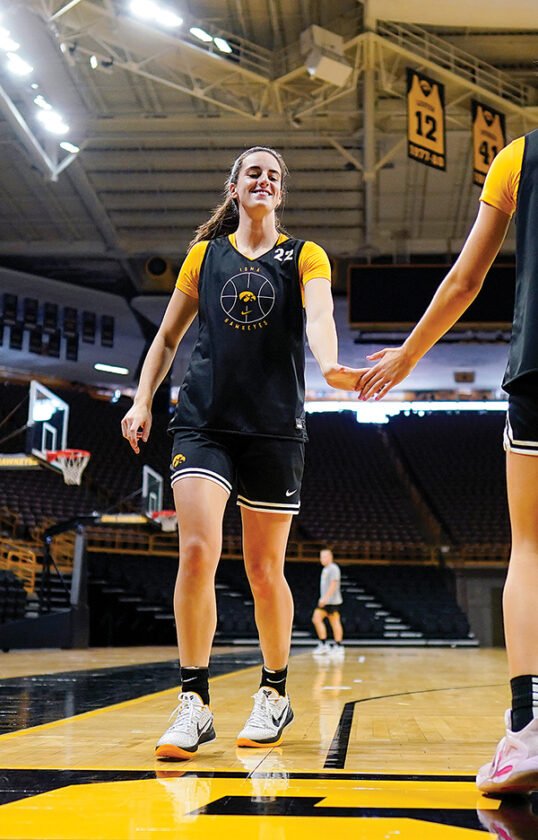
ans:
(222, 45)
(17, 65)
(69, 147)
(201, 34)
(6, 41)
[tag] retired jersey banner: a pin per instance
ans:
(425, 120)
(489, 137)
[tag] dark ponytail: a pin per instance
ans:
(225, 217)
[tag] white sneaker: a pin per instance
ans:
(321, 649)
(271, 713)
(514, 768)
(337, 652)
(193, 725)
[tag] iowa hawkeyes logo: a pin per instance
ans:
(489, 118)
(247, 297)
(425, 87)
(178, 459)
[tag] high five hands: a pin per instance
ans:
(392, 365)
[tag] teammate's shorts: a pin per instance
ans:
(267, 472)
(521, 428)
(330, 609)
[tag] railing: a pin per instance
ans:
(22, 560)
(10, 521)
(463, 64)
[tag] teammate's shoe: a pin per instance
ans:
(514, 821)
(337, 652)
(514, 768)
(193, 725)
(321, 649)
(270, 715)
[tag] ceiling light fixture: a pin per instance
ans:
(53, 122)
(69, 147)
(222, 45)
(201, 34)
(123, 371)
(17, 65)
(6, 41)
(41, 102)
(147, 10)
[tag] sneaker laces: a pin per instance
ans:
(260, 712)
(185, 712)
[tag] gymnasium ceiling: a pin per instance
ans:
(161, 117)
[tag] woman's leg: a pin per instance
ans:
(519, 602)
(265, 537)
(200, 507)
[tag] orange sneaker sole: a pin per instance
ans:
(170, 751)
(246, 742)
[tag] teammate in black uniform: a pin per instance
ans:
(511, 183)
(240, 421)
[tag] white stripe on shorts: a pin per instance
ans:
(268, 507)
(196, 472)
(523, 447)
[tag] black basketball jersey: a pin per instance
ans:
(246, 373)
(523, 356)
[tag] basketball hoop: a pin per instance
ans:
(167, 519)
(71, 462)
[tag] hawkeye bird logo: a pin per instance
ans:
(178, 459)
(247, 298)
(425, 87)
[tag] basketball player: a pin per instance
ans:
(511, 183)
(328, 607)
(240, 421)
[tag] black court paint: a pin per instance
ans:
(337, 752)
(43, 698)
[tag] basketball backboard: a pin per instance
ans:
(48, 420)
(152, 490)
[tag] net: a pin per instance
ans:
(167, 519)
(72, 463)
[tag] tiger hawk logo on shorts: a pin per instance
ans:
(178, 459)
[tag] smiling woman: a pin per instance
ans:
(240, 420)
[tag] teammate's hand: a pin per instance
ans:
(321, 605)
(344, 378)
(136, 425)
(393, 365)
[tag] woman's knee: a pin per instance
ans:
(198, 558)
(264, 576)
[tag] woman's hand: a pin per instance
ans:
(344, 378)
(136, 425)
(393, 365)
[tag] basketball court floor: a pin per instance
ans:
(385, 743)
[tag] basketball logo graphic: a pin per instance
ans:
(247, 297)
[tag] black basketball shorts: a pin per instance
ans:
(521, 427)
(267, 472)
(330, 609)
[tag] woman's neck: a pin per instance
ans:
(255, 235)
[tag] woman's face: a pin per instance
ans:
(259, 184)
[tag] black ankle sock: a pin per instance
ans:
(524, 701)
(196, 679)
(275, 679)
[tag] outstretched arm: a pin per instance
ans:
(455, 294)
(322, 338)
(179, 315)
